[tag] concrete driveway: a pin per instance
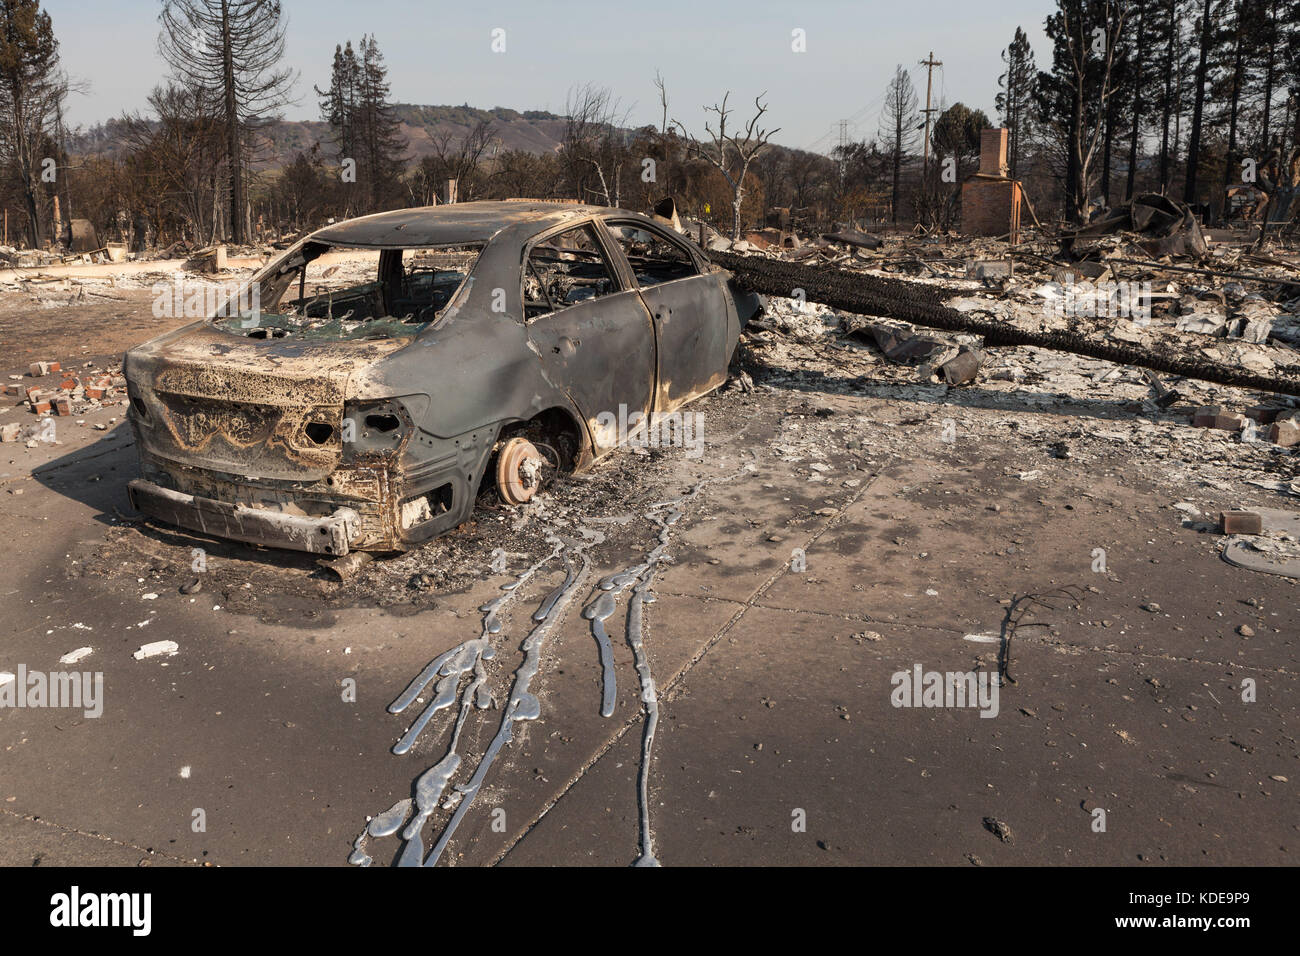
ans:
(852, 528)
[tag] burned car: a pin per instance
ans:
(363, 387)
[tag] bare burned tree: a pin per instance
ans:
(663, 102)
(730, 152)
(32, 90)
(593, 142)
(175, 158)
(517, 172)
(898, 125)
(658, 149)
(457, 159)
(228, 52)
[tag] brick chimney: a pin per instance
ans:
(993, 152)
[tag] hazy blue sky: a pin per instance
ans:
(440, 53)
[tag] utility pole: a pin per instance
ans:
(929, 65)
(844, 143)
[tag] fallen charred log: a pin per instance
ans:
(922, 305)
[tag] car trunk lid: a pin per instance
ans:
(261, 409)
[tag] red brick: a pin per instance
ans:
(1285, 434)
(989, 206)
(1264, 414)
(1214, 416)
(1241, 522)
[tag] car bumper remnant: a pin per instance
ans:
(331, 535)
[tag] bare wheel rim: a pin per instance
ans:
(518, 471)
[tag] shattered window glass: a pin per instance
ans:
(653, 258)
(565, 269)
(331, 292)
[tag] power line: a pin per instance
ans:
(852, 122)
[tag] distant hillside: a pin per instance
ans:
(534, 131)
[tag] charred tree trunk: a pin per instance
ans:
(1137, 104)
(1167, 106)
(1076, 199)
(1234, 103)
(1106, 153)
(1270, 71)
(233, 158)
(1198, 108)
(898, 166)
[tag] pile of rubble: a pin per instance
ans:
(26, 258)
(1282, 423)
(1212, 301)
(62, 393)
(56, 291)
(1075, 421)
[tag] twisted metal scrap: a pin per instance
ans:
(922, 304)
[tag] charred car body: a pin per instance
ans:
(325, 414)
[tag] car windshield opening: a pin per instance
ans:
(323, 291)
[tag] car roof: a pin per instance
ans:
(455, 223)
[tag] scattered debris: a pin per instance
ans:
(157, 649)
(1163, 227)
(1273, 549)
(999, 829)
